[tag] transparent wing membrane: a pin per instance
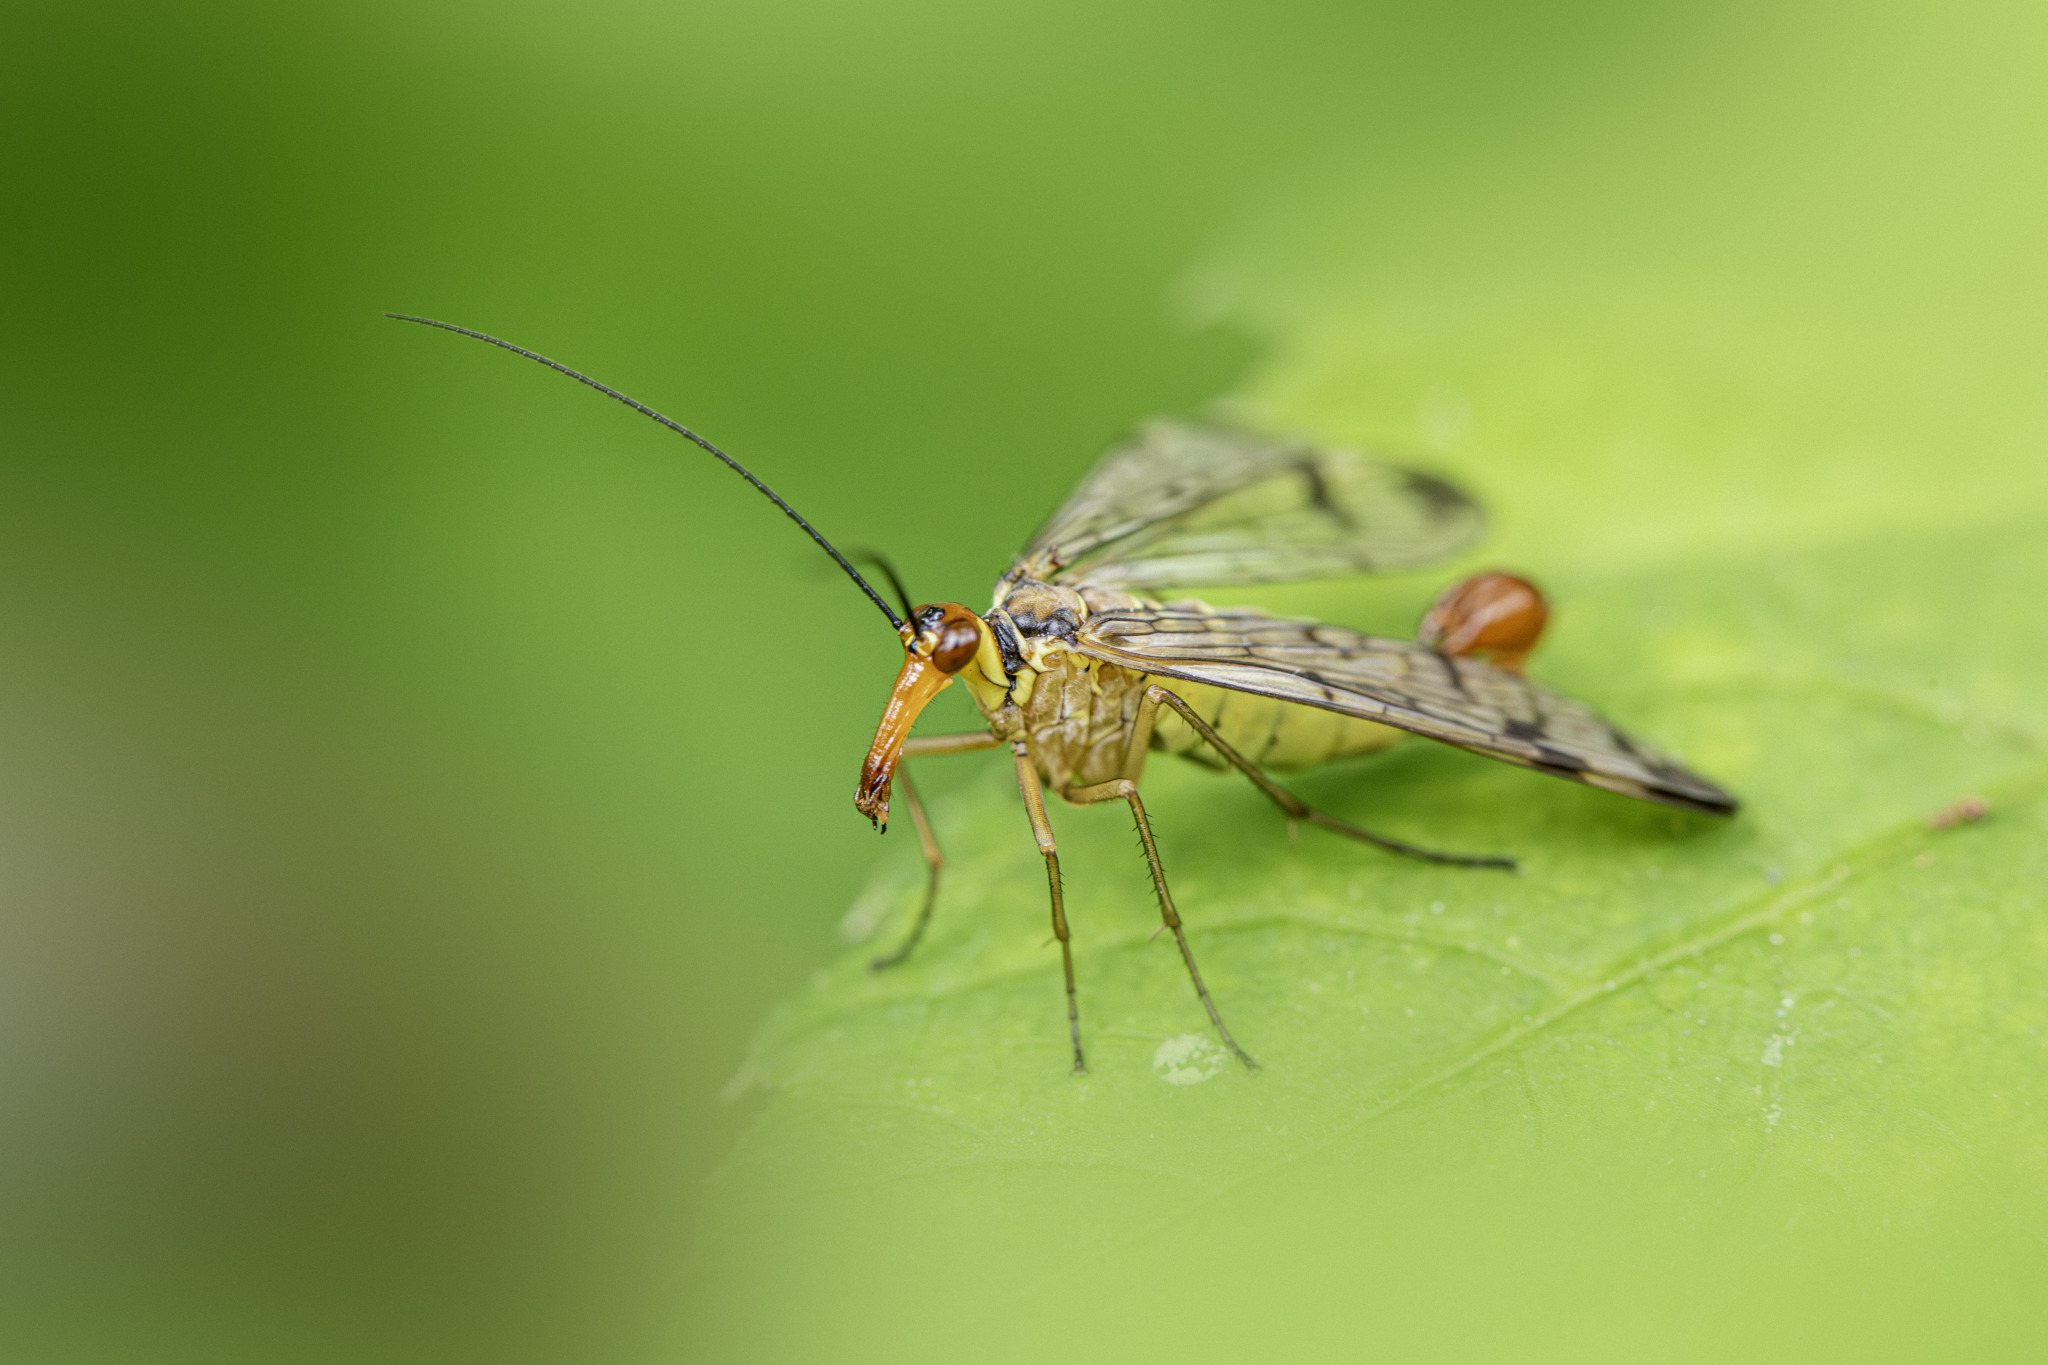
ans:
(1395, 682)
(1183, 505)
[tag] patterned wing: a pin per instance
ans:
(1183, 505)
(1459, 701)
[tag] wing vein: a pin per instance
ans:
(1459, 701)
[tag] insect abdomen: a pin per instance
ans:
(1269, 733)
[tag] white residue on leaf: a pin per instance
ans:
(1188, 1059)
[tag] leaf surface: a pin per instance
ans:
(1824, 1007)
(1763, 1085)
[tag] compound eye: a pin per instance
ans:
(959, 640)
(1494, 614)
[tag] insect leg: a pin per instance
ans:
(934, 860)
(1041, 828)
(1123, 789)
(927, 744)
(930, 746)
(1295, 807)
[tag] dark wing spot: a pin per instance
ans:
(1560, 761)
(1517, 728)
(1451, 673)
(1696, 792)
(1444, 499)
(1319, 494)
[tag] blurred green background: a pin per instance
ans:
(420, 778)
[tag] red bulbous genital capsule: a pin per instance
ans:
(1497, 616)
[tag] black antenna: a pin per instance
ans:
(680, 430)
(881, 561)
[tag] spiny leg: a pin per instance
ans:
(1297, 809)
(1123, 789)
(1041, 829)
(927, 744)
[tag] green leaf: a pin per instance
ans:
(1680, 1088)
(1798, 1053)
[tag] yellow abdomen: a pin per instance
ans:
(1268, 733)
(1079, 717)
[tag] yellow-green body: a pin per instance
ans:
(1081, 717)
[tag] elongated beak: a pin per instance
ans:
(916, 685)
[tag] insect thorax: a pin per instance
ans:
(1079, 714)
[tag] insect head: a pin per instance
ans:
(940, 641)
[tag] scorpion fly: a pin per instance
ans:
(1081, 672)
